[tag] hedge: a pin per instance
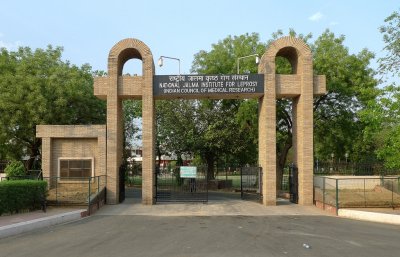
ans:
(19, 195)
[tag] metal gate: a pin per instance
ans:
(251, 183)
(173, 185)
(122, 174)
(293, 184)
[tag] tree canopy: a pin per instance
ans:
(338, 126)
(38, 87)
(383, 114)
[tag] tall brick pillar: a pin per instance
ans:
(300, 87)
(303, 132)
(267, 131)
(116, 87)
(114, 129)
(148, 117)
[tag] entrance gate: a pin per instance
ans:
(293, 184)
(251, 183)
(175, 186)
(267, 86)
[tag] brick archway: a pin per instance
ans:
(116, 87)
(301, 86)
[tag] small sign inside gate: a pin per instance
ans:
(188, 172)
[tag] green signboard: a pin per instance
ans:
(188, 172)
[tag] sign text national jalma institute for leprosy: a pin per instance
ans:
(208, 85)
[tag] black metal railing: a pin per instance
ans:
(294, 183)
(251, 183)
(3, 165)
(171, 187)
(357, 192)
(354, 169)
(31, 175)
(73, 191)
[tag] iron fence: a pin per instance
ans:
(3, 165)
(293, 184)
(31, 175)
(356, 192)
(251, 183)
(355, 169)
(171, 187)
(73, 191)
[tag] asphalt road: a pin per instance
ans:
(208, 236)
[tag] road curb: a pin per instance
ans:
(370, 216)
(26, 226)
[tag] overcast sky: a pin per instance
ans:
(88, 29)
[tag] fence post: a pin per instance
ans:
(226, 176)
(241, 182)
(98, 184)
(56, 189)
(365, 198)
(337, 196)
(392, 194)
(323, 193)
(90, 178)
(260, 181)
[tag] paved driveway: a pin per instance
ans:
(208, 236)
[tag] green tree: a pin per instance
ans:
(350, 85)
(390, 63)
(240, 115)
(207, 129)
(38, 87)
(383, 114)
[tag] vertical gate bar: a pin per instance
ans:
(392, 195)
(226, 175)
(241, 182)
(337, 196)
(206, 175)
(155, 184)
(365, 198)
(56, 190)
(259, 183)
(323, 193)
(89, 180)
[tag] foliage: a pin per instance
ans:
(15, 169)
(350, 83)
(19, 195)
(223, 55)
(391, 37)
(132, 110)
(199, 128)
(383, 113)
(38, 87)
(351, 86)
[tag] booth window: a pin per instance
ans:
(75, 168)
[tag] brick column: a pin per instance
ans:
(46, 159)
(267, 132)
(304, 132)
(114, 135)
(148, 116)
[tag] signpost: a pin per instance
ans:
(208, 85)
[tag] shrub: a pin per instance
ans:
(18, 195)
(15, 169)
